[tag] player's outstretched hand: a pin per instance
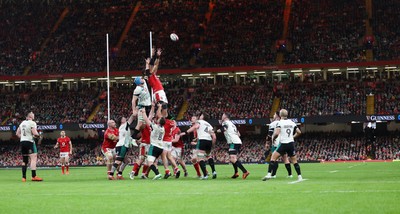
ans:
(147, 61)
(193, 143)
(159, 51)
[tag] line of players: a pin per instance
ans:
(159, 137)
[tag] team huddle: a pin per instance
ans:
(158, 138)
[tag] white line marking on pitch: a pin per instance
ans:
(334, 171)
(294, 182)
(354, 166)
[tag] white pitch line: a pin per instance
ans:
(334, 171)
(298, 181)
(354, 166)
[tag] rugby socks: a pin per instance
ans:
(297, 168)
(276, 168)
(289, 169)
(113, 168)
(269, 167)
(135, 169)
(167, 172)
(240, 166)
(235, 167)
(203, 167)
(274, 165)
(155, 170)
(62, 169)
(145, 170)
(211, 163)
(197, 168)
(33, 173)
(67, 167)
(24, 171)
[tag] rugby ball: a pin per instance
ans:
(174, 37)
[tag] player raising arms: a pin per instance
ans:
(108, 147)
(206, 139)
(159, 95)
(178, 147)
(286, 130)
(156, 143)
(65, 145)
(26, 131)
(274, 146)
(124, 143)
(232, 136)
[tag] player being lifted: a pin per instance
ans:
(286, 130)
(124, 143)
(26, 131)
(274, 146)
(206, 139)
(65, 145)
(232, 136)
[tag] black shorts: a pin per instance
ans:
(286, 148)
(121, 152)
(234, 149)
(28, 148)
(155, 151)
(204, 145)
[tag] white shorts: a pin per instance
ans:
(64, 154)
(167, 146)
(177, 152)
(109, 152)
(160, 96)
(143, 150)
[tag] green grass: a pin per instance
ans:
(330, 188)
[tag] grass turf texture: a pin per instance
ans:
(330, 188)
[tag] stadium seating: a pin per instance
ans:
(326, 31)
(318, 32)
(387, 36)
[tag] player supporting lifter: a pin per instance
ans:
(206, 138)
(286, 130)
(178, 147)
(167, 142)
(65, 145)
(124, 143)
(156, 144)
(274, 146)
(108, 147)
(26, 131)
(232, 136)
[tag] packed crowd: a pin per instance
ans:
(242, 101)
(162, 18)
(386, 98)
(326, 31)
(50, 106)
(237, 33)
(324, 99)
(387, 36)
(79, 44)
(23, 29)
(239, 101)
(309, 147)
(243, 33)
